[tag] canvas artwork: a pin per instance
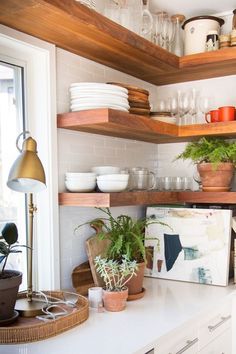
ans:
(193, 244)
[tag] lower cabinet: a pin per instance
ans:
(221, 345)
(209, 334)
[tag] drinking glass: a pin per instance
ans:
(193, 107)
(173, 105)
(184, 107)
(157, 26)
(205, 105)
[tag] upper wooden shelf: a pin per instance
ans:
(80, 30)
(144, 198)
(120, 124)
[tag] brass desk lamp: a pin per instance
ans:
(27, 176)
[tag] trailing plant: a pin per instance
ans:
(213, 150)
(9, 244)
(126, 235)
(115, 274)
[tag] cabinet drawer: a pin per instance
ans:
(183, 342)
(214, 325)
(220, 345)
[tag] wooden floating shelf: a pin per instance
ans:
(144, 198)
(124, 125)
(80, 30)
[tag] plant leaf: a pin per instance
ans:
(10, 233)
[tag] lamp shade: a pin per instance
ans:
(27, 173)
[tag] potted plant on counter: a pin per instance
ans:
(10, 280)
(215, 159)
(126, 236)
(115, 275)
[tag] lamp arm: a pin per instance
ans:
(32, 210)
(24, 133)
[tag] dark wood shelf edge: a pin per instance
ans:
(144, 198)
(120, 124)
(83, 31)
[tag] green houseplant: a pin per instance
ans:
(115, 275)
(215, 159)
(126, 236)
(10, 280)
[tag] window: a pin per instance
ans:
(12, 205)
(38, 60)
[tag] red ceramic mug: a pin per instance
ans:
(213, 115)
(226, 113)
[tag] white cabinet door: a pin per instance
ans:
(220, 345)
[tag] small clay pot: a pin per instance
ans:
(115, 300)
(9, 287)
(217, 179)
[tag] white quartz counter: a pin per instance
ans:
(165, 306)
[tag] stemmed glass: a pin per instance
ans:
(173, 106)
(193, 107)
(205, 105)
(157, 27)
(184, 107)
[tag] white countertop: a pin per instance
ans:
(165, 306)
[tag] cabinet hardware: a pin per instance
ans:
(223, 320)
(189, 344)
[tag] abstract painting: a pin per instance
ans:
(189, 244)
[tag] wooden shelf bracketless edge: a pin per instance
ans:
(144, 198)
(80, 30)
(120, 124)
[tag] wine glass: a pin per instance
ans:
(173, 106)
(193, 107)
(184, 107)
(205, 105)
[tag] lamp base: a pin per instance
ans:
(28, 308)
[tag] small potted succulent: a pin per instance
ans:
(115, 275)
(10, 280)
(215, 159)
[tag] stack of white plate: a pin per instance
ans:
(88, 3)
(90, 95)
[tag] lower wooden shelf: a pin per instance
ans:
(144, 198)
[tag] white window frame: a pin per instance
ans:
(39, 60)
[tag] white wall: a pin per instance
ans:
(80, 151)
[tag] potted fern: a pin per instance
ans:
(10, 280)
(115, 275)
(126, 236)
(215, 159)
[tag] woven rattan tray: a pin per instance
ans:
(31, 329)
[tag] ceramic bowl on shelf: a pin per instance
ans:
(105, 170)
(80, 181)
(113, 183)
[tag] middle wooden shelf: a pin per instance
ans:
(144, 198)
(121, 124)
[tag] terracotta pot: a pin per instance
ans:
(115, 300)
(135, 284)
(216, 179)
(8, 293)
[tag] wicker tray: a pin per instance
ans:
(31, 329)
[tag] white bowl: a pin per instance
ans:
(80, 185)
(105, 170)
(112, 186)
(80, 175)
(114, 177)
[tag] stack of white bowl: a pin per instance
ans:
(109, 179)
(91, 95)
(80, 181)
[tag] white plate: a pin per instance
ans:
(115, 100)
(97, 86)
(98, 93)
(86, 107)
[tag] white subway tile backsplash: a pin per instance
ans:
(79, 151)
